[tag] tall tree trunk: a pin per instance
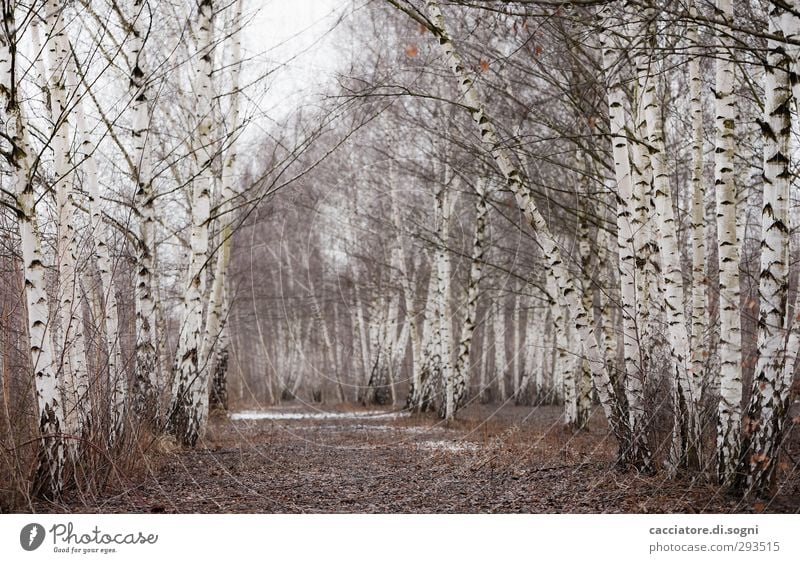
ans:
(500, 362)
(698, 222)
(768, 408)
(75, 375)
(117, 380)
(48, 480)
(145, 380)
(530, 353)
(187, 417)
(215, 339)
(632, 376)
(686, 442)
(583, 386)
(516, 360)
(444, 337)
(607, 275)
(730, 386)
(409, 304)
(461, 372)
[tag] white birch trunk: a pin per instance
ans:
(730, 386)
(215, 340)
(145, 378)
(699, 279)
(461, 373)
(484, 391)
(532, 329)
(768, 408)
(685, 447)
(583, 374)
(363, 340)
(191, 383)
(632, 376)
(410, 308)
(75, 374)
(430, 369)
(443, 297)
(607, 336)
(49, 475)
(540, 377)
(500, 364)
(564, 365)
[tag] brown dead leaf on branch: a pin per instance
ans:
(484, 64)
(411, 51)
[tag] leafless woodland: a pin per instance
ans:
(521, 255)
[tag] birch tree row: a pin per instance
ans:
(121, 125)
(580, 205)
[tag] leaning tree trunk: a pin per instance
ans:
(767, 411)
(730, 385)
(48, 481)
(187, 417)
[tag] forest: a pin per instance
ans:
(486, 256)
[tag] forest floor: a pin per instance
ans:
(306, 458)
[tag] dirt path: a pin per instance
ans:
(295, 459)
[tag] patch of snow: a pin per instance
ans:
(448, 446)
(262, 415)
(369, 427)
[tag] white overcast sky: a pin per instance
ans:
(293, 38)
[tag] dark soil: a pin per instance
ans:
(514, 459)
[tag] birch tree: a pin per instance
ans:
(75, 374)
(50, 470)
(686, 438)
(215, 340)
(187, 415)
(461, 371)
(145, 377)
(516, 183)
(632, 377)
(107, 288)
(765, 420)
(729, 411)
